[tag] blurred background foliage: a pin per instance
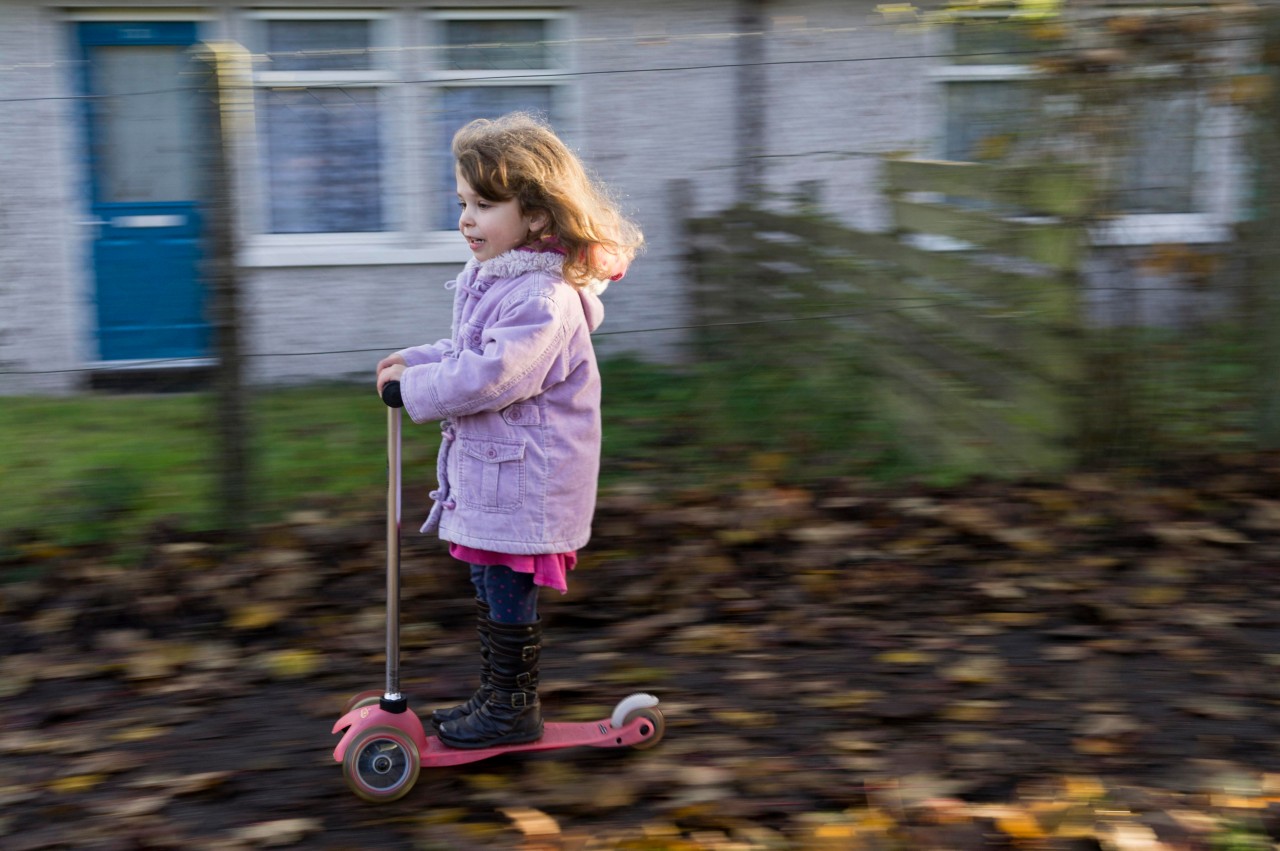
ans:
(768, 394)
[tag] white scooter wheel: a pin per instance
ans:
(628, 705)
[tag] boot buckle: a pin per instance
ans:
(529, 652)
(519, 700)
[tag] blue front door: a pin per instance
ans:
(143, 143)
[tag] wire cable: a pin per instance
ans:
(446, 79)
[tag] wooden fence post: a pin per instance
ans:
(750, 102)
(1263, 235)
(230, 111)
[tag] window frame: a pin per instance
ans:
(402, 241)
(565, 95)
(409, 81)
(561, 21)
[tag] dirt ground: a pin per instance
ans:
(1078, 665)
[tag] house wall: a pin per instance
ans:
(659, 102)
(42, 264)
(848, 87)
(639, 127)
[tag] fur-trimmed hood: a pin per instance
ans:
(480, 275)
(516, 262)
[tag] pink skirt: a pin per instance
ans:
(549, 570)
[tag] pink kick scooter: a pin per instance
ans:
(385, 745)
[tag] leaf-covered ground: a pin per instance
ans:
(1059, 666)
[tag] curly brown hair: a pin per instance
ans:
(519, 156)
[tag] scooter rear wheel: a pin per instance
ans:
(381, 764)
(654, 716)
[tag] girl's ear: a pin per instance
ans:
(537, 221)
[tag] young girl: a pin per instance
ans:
(517, 392)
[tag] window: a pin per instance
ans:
(488, 64)
(321, 116)
(1159, 169)
(1150, 137)
(355, 112)
(986, 115)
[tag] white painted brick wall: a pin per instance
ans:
(641, 128)
(42, 300)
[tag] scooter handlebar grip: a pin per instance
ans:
(391, 395)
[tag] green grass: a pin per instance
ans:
(100, 467)
(1159, 394)
(718, 424)
(107, 467)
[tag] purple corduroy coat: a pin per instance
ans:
(517, 393)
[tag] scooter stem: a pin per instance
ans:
(393, 701)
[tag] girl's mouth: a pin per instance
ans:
(473, 243)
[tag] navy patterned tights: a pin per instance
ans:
(511, 595)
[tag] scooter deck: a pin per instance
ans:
(434, 753)
(555, 735)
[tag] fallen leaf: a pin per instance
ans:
(1020, 825)
(1126, 836)
(852, 742)
(905, 657)
(1198, 532)
(745, 718)
(1083, 788)
(292, 664)
(827, 534)
(977, 670)
(139, 734)
(1157, 595)
(973, 711)
(282, 832)
(533, 823)
(133, 807)
(183, 784)
(1215, 707)
(1067, 653)
(76, 783)
(256, 616)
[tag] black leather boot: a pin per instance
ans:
(512, 714)
(476, 700)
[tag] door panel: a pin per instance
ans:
(144, 160)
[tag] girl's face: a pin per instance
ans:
(493, 227)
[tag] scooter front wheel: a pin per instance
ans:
(381, 764)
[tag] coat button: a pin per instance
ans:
(493, 453)
(515, 414)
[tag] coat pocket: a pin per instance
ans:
(491, 473)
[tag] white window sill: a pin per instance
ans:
(1135, 230)
(1155, 229)
(981, 73)
(345, 250)
(140, 365)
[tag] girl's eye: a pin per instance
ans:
(483, 205)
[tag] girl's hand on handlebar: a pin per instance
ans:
(391, 372)
(389, 360)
